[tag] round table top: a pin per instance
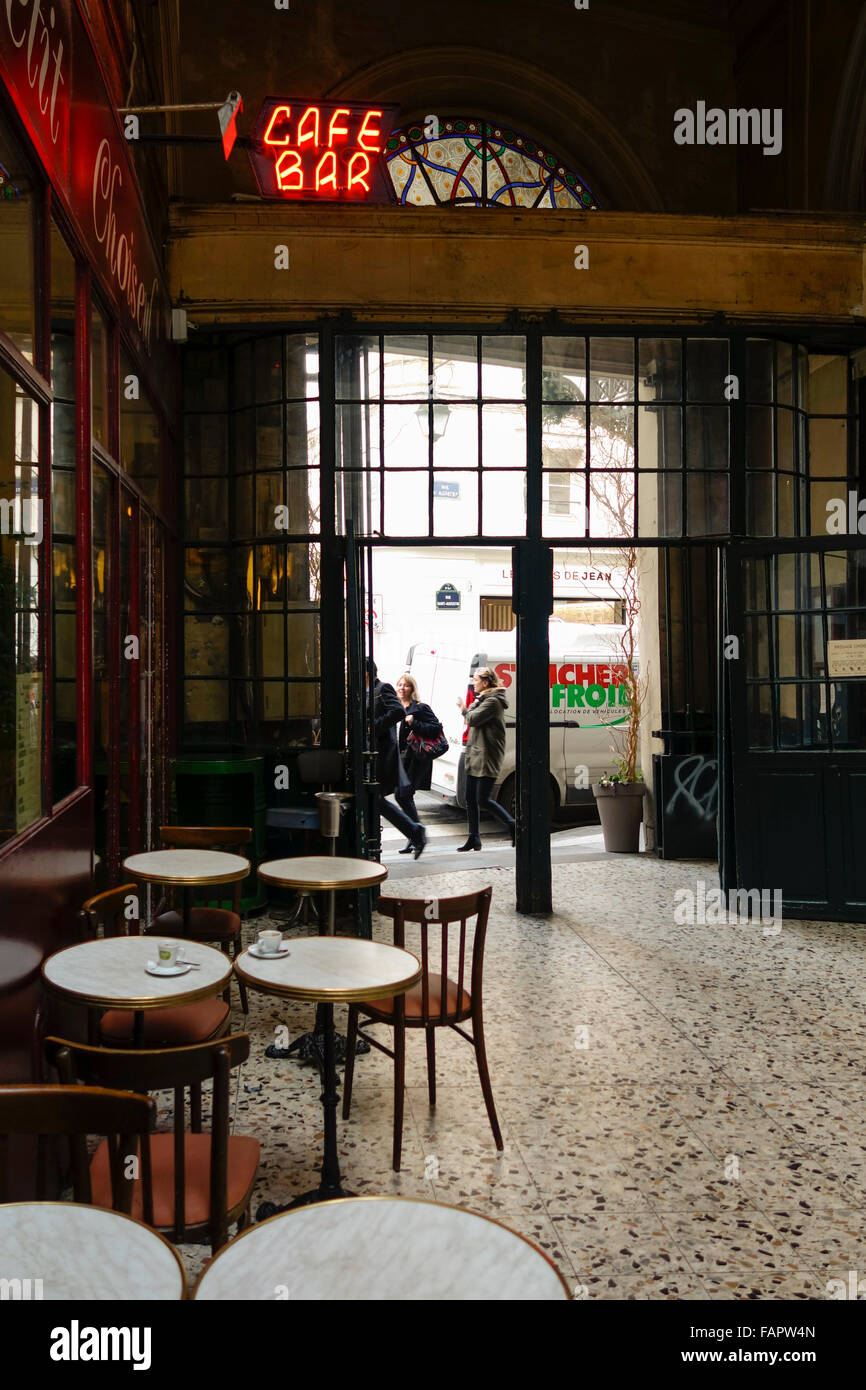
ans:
(187, 866)
(110, 971)
(323, 871)
(332, 968)
(424, 1251)
(79, 1251)
(19, 961)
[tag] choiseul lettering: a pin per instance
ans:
(120, 250)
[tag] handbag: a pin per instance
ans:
(426, 749)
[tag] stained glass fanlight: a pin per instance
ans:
(479, 163)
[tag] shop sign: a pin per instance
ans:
(48, 64)
(846, 658)
(322, 151)
(447, 598)
(451, 490)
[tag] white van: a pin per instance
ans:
(588, 706)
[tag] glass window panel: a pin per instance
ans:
(205, 378)
(63, 502)
(563, 441)
(206, 645)
(828, 385)
(358, 436)
(707, 360)
(825, 499)
(406, 504)
(269, 437)
(206, 509)
(206, 579)
(243, 523)
(660, 504)
(406, 436)
(660, 436)
(707, 504)
(406, 367)
(828, 448)
(786, 524)
(845, 577)
(359, 498)
(503, 438)
(707, 436)
(503, 368)
(206, 702)
(457, 444)
(358, 368)
(270, 494)
(759, 505)
(798, 582)
(812, 653)
(455, 504)
(760, 716)
(303, 644)
(455, 367)
(206, 444)
(754, 584)
(302, 366)
(785, 457)
(787, 663)
(758, 648)
(660, 369)
(759, 437)
(139, 432)
(21, 690)
(271, 575)
(563, 376)
(759, 370)
(302, 435)
(611, 504)
(785, 374)
(611, 436)
(64, 554)
(564, 504)
(99, 379)
(268, 369)
(272, 644)
(244, 441)
(17, 302)
(611, 365)
(848, 705)
(503, 505)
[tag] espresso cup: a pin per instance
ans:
(270, 941)
(168, 952)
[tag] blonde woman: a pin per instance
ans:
(420, 719)
(483, 754)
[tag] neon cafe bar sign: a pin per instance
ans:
(323, 151)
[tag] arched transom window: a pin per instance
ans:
(479, 163)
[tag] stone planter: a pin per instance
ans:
(620, 808)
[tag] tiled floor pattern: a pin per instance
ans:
(683, 1107)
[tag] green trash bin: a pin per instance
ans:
(224, 791)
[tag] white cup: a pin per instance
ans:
(269, 942)
(167, 952)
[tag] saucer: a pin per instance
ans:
(267, 955)
(153, 967)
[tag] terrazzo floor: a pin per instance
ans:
(683, 1107)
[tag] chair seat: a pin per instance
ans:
(205, 924)
(172, 1027)
(384, 1008)
(243, 1161)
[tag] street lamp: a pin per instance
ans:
(441, 416)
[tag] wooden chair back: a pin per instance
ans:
(105, 914)
(446, 956)
(164, 1069)
(232, 838)
(47, 1112)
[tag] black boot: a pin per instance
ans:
(470, 844)
(407, 848)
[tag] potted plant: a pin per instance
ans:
(619, 795)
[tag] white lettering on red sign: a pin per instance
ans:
(44, 53)
(120, 250)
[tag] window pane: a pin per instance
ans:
(611, 436)
(564, 369)
(707, 368)
(268, 369)
(758, 648)
(21, 796)
(358, 371)
(660, 436)
(759, 504)
(660, 504)
(660, 369)
(706, 436)
(405, 436)
(827, 385)
(564, 504)
(828, 448)
(455, 504)
(563, 441)
(503, 510)
(707, 502)
(206, 444)
(455, 367)
(17, 310)
(611, 504)
(611, 364)
(455, 435)
(405, 367)
(206, 645)
(64, 559)
(406, 500)
(848, 702)
(99, 379)
(139, 432)
(785, 374)
(759, 700)
(759, 437)
(205, 378)
(503, 368)
(302, 366)
(759, 370)
(206, 509)
(503, 438)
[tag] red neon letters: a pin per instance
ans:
(320, 150)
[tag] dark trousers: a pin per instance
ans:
(399, 819)
(405, 797)
(478, 791)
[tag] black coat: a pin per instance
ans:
(387, 714)
(424, 722)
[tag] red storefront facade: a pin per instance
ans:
(88, 422)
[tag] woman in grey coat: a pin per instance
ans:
(484, 753)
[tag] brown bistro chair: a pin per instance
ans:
(428, 1005)
(220, 926)
(192, 1185)
(174, 1026)
(51, 1111)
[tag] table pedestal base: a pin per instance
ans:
(310, 1047)
(323, 1193)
